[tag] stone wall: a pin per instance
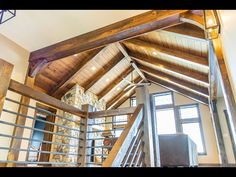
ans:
(75, 97)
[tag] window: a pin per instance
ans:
(163, 99)
(119, 123)
(133, 102)
(191, 125)
(165, 121)
(164, 110)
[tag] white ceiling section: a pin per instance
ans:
(35, 29)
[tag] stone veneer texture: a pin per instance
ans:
(75, 97)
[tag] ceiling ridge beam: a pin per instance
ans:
(168, 77)
(177, 89)
(119, 96)
(66, 80)
(104, 70)
(171, 67)
(114, 83)
(172, 53)
(127, 28)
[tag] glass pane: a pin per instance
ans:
(165, 121)
(193, 131)
(133, 102)
(118, 133)
(119, 119)
(189, 112)
(163, 99)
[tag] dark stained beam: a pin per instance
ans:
(170, 66)
(98, 75)
(112, 112)
(121, 101)
(122, 93)
(168, 51)
(171, 78)
(182, 91)
(128, 28)
(67, 79)
(115, 82)
(187, 30)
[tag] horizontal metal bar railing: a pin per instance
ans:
(43, 152)
(97, 155)
(43, 163)
(43, 141)
(97, 131)
(40, 130)
(107, 123)
(40, 120)
(42, 110)
(93, 147)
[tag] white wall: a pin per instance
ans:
(228, 38)
(17, 56)
(212, 155)
(225, 131)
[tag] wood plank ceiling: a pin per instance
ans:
(175, 57)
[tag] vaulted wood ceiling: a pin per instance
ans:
(175, 57)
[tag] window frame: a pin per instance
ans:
(192, 120)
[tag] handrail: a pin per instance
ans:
(121, 146)
(42, 97)
(112, 112)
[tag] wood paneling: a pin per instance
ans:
(171, 78)
(74, 72)
(182, 91)
(98, 75)
(115, 82)
(167, 51)
(172, 67)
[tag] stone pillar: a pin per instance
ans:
(151, 143)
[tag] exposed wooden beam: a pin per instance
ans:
(112, 112)
(171, 78)
(182, 91)
(193, 18)
(122, 93)
(121, 101)
(170, 66)
(124, 52)
(5, 75)
(187, 30)
(168, 51)
(99, 74)
(56, 90)
(115, 82)
(128, 28)
(44, 98)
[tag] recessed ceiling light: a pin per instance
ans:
(107, 79)
(154, 53)
(210, 21)
(93, 68)
(118, 88)
(75, 55)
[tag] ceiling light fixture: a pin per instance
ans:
(93, 68)
(154, 53)
(107, 79)
(6, 15)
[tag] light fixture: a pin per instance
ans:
(107, 79)
(75, 55)
(118, 88)
(154, 53)
(6, 15)
(212, 24)
(93, 68)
